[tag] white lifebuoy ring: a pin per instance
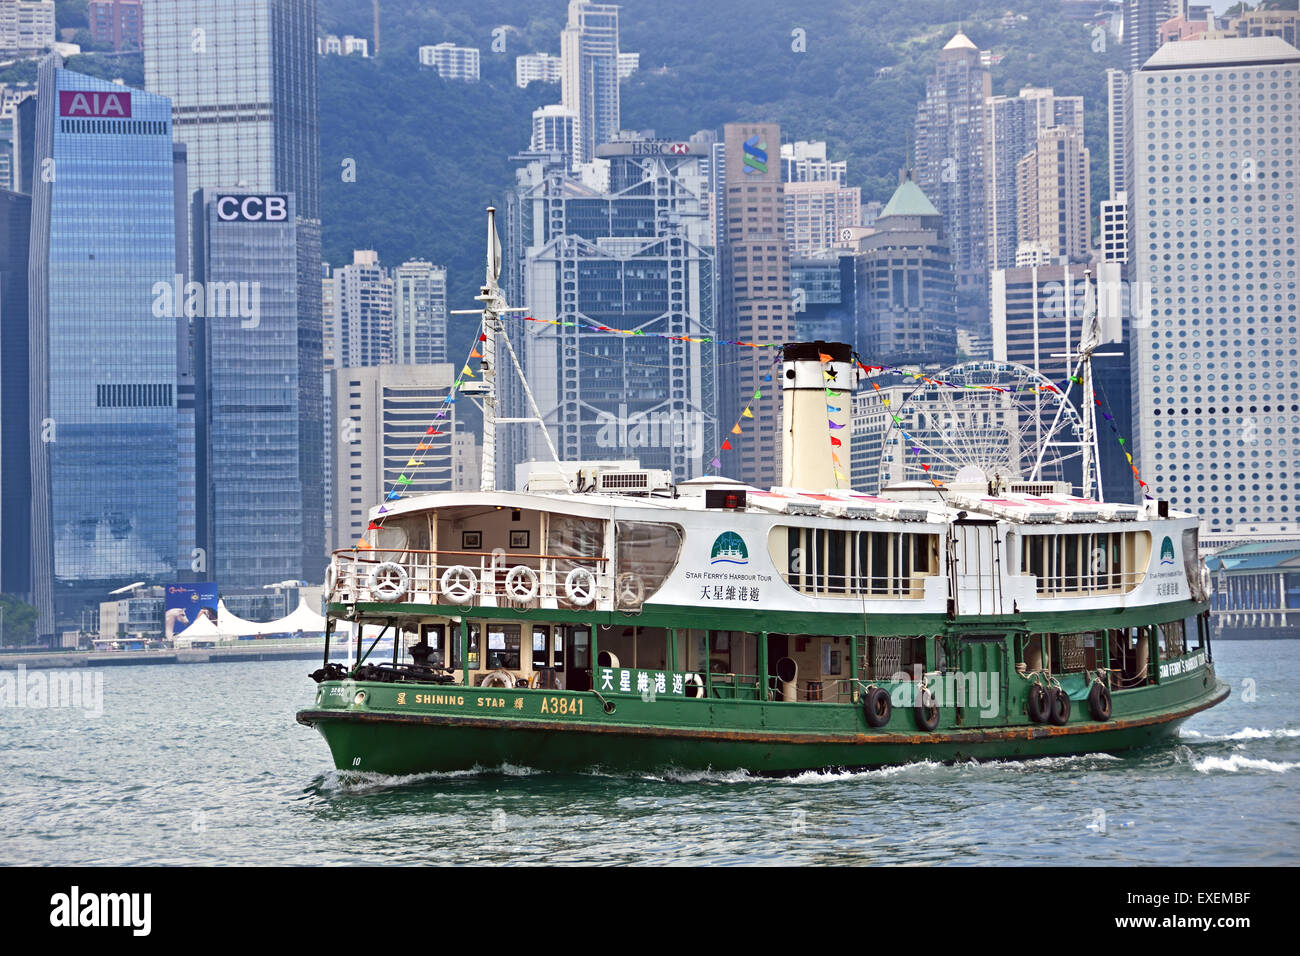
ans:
(331, 580)
(388, 581)
(694, 681)
(580, 594)
(458, 584)
(521, 583)
(630, 589)
(498, 678)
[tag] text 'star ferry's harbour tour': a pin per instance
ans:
(707, 624)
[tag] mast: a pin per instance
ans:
(1088, 342)
(494, 304)
(494, 307)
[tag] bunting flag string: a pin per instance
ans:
(836, 464)
(1106, 413)
(416, 460)
(716, 463)
(596, 327)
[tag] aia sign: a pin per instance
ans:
(90, 104)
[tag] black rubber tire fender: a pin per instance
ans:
(1037, 703)
(1060, 714)
(926, 712)
(877, 706)
(1099, 702)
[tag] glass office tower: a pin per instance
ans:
(242, 77)
(244, 249)
(103, 346)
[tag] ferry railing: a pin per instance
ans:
(470, 579)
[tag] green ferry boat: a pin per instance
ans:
(606, 618)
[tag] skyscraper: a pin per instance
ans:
(637, 257)
(1142, 19)
(1053, 202)
(589, 74)
(103, 341)
(362, 327)
(906, 287)
(15, 428)
(385, 412)
(245, 247)
(1213, 197)
(1011, 128)
(1117, 102)
(419, 313)
(241, 75)
(950, 156)
(756, 290)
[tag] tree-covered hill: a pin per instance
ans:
(431, 154)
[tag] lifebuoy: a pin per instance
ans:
(521, 583)
(498, 678)
(1060, 714)
(580, 594)
(631, 589)
(877, 706)
(458, 584)
(388, 581)
(694, 685)
(1099, 702)
(926, 711)
(331, 580)
(1036, 703)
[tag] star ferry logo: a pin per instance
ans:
(755, 155)
(1167, 551)
(729, 548)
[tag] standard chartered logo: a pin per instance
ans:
(755, 155)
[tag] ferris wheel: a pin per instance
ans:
(982, 420)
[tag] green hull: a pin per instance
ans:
(460, 728)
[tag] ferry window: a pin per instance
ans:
(1084, 563)
(649, 550)
(432, 635)
(454, 641)
(540, 635)
(557, 647)
(1171, 638)
(577, 539)
(581, 648)
(503, 646)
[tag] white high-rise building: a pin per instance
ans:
(26, 25)
(452, 62)
(589, 77)
(553, 130)
(536, 68)
(805, 162)
(419, 313)
(363, 312)
(1215, 367)
(1011, 128)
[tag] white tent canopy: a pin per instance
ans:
(201, 630)
(231, 627)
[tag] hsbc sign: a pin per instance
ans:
(272, 208)
(658, 147)
(88, 104)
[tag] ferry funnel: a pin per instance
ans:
(817, 415)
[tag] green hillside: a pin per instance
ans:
(431, 154)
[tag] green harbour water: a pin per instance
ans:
(205, 765)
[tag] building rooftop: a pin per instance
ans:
(908, 200)
(1239, 51)
(960, 42)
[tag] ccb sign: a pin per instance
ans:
(271, 208)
